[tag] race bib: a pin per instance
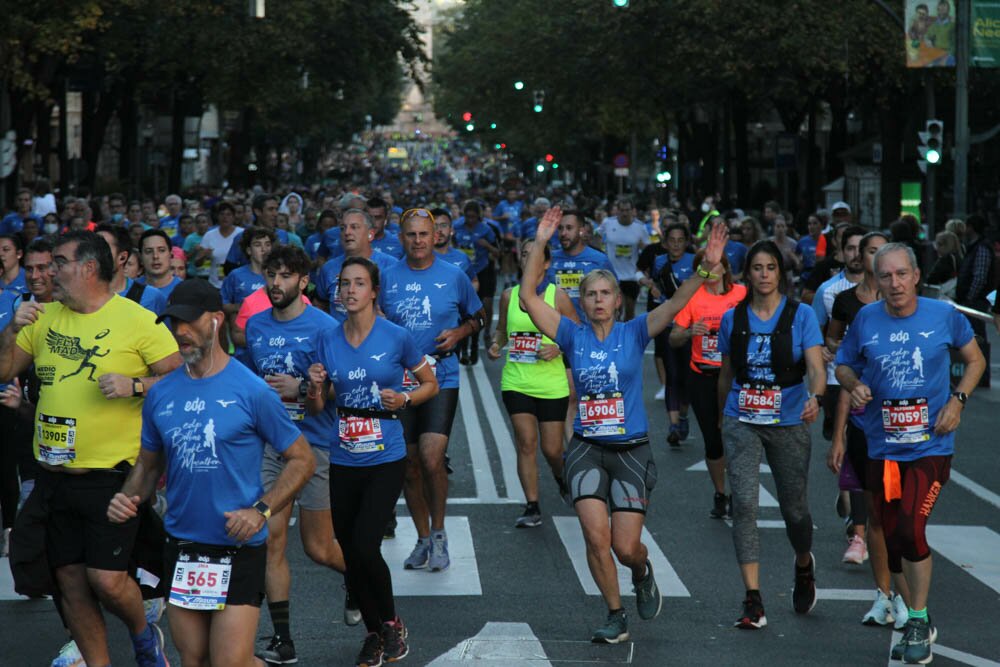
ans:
(56, 438)
(602, 414)
(296, 410)
(469, 252)
(201, 583)
(337, 304)
(623, 251)
(760, 404)
(905, 421)
(410, 380)
(710, 348)
(569, 281)
(524, 346)
(360, 435)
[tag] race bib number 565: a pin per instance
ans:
(201, 583)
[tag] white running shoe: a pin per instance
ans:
(662, 394)
(69, 656)
(900, 612)
(881, 611)
(857, 552)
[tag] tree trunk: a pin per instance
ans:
(741, 146)
(98, 108)
(176, 144)
(128, 164)
(892, 167)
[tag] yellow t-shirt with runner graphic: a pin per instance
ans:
(75, 425)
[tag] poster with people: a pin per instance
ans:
(930, 33)
(985, 34)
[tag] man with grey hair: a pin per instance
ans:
(330, 245)
(175, 207)
(356, 232)
(894, 363)
(526, 228)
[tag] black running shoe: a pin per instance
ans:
(390, 528)
(280, 651)
(371, 651)
(720, 506)
(804, 593)
(753, 617)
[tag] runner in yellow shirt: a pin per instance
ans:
(96, 354)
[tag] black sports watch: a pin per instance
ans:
(961, 396)
(303, 388)
(263, 509)
(138, 388)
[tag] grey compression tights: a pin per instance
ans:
(787, 449)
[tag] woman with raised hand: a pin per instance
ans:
(609, 463)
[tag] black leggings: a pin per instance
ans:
(704, 392)
(10, 446)
(362, 500)
(675, 363)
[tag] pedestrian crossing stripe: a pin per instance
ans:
(461, 577)
(765, 499)
(975, 549)
(572, 538)
(945, 652)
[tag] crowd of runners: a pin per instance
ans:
(180, 373)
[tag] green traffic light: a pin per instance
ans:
(519, 85)
(620, 3)
(663, 177)
(538, 108)
(933, 156)
(493, 126)
(470, 127)
(496, 147)
(555, 165)
(540, 168)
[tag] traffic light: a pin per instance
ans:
(539, 100)
(620, 4)
(519, 85)
(467, 116)
(663, 176)
(493, 126)
(470, 127)
(549, 157)
(931, 146)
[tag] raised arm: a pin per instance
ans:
(545, 317)
(661, 317)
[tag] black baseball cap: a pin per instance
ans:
(191, 299)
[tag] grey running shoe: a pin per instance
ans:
(532, 517)
(899, 649)
(352, 615)
(920, 634)
(417, 560)
(439, 559)
(648, 599)
(614, 630)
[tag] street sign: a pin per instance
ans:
(621, 161)
(621, 171)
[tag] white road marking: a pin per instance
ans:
(768, 523)
(486, 486)
(461, 577)
(765, 499)
(852, 594)
(7, 582)
(572, 538)
(945, 652)
(512, 644)
(497, 424)
(700, 466)
(975, 488)
(975, 549)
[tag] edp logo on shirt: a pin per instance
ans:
(357, 374)
(413, 287)
(196, 406)
(599, 355)
(276, 341)
(899, 337)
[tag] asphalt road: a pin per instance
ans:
(524, 597)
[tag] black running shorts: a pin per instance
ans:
(246, 583)
(544, 409)
(624, 479)
(435, 416)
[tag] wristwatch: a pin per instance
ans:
(406, 400)
(303, 388)
(263, 509)
(961, 396)
(138, 388)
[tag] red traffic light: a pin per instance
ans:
(549, 157)
(503, 146)
(467, 116)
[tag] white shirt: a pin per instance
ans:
(622, 244)
(220, 246)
